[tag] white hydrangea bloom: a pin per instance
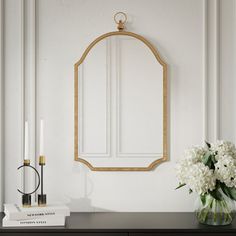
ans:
(196, 175)
(182, 169)
(195, 153)
(222, 148)
(200, 178)
(225, 170)
(191, 156)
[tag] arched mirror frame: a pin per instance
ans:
(76, 94)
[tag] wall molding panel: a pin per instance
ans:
(28, 78)
(12, 98)
(227, 70)
(22, 78)
(217, 69)
(1, 104)
(212, 73)
(30, 74)
(22, 67)
(81, 70)
(205, 71)
(19, 90)
(119, 153)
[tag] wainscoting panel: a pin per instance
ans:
(14, 96)
(1, 106)
(227, 70)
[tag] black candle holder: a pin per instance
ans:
(42, 198)
(26, 197)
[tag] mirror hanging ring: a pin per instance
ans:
(120, 19)
(120, 23)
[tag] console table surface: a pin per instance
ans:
(128, 224)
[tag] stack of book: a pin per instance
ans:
(50, 215)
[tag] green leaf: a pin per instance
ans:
(208, 144)
(230, 192)
(233, 193)
(203, 199)
(225, 189)
(207, 160)
(180, 186)
(216, 194)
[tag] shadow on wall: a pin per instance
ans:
(84, 203)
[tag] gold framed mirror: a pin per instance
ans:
(120, 103)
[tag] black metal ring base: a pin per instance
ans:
(37, 173)
(26, 200)
(42, 199)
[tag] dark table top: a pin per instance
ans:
(129, 222)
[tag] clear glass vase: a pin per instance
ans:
(215, 212)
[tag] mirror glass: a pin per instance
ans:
(120, 104)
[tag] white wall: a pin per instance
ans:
(1, 104)
(43, 40)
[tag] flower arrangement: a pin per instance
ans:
(211, 172)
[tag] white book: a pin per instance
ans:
(52, 221)
(15, 212)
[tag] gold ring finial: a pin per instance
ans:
(120, 22)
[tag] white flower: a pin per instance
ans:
(225, 170)
(182, 169)
(201, 179)
(222, 148)
(195, 153)
(191, 156)
(197, 176)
